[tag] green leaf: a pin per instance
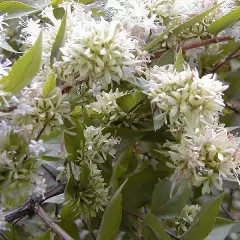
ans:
(84, 177)
(112, 217)
(224, 22)
(138, 190)
(70, 188)
(118, 171)
(179, 63)
(46, 236)
(11, 233)
(156, 225)
(205, 220)
(6, 46)
(159, 38)
(168, 203)
(130, 101)
(189, 23)
(129, 159)
(15, 9)
(73, 142)
(24, 69)
(50, 84)
(59, 40)
(221, 229)
(128, 136)
(166, 58)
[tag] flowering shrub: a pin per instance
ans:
(119, 119)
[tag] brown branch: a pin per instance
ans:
(8, 109)
(3, 236)
(53, 226)
(234, 106)
(28, 207)
(201, 43)
(227, 213)
(229, 57)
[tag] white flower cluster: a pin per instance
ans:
(100, 52)
(204, 152)
(2, 221)
(107, 107)
(184, 220)
(97, 146)
(32, 28)
(206, 157)
(38, 110)
(94, 196)
(95, 149)
(184, 96)
(20, 173)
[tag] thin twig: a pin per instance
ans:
(141, 217)
(172, 235)
(197, 44)
(229, 57)
(230, 200)
(8, 109)
(228, 213)
(234, 106)
(49, 172)
(41, 131)
(27, 208)
(3, 236)
(52, 225)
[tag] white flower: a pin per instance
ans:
(3, 223)
(205, 157)
(39, 186)
(135, 17)
(36, 148)
(97, 145)
(4, 65)
(107, 106)
(2, 29)
(32, 29)
(184, 96)
(94, 196)
(185, 219)
(100, 52)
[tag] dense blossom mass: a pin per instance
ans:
(100, 89)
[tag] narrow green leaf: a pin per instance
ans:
(179, 63)
(224, 22)
(156, 225)
(221, 229)
(24, 69)
(70, 188)
(159, 38)
(6, 46)
(50, 84)
(189, 23)
(168, 203)
(59, 40)
(15, 9)
(84, 177)
(138, 190)
(45, 236)
(112, 217)
(205, 220)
